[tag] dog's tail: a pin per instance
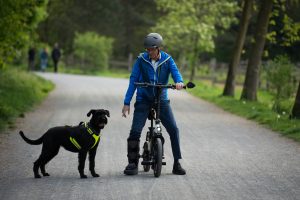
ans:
(29, 141)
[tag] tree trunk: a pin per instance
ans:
(252, 75)
(296, 108)
(193, 59)
(239, 43)
(193, 72)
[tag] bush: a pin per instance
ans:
(93, 50)
(281, 78)
(18, 21)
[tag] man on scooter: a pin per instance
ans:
(153, 66)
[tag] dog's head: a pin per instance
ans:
(99, 118)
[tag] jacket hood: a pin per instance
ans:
(163, 56)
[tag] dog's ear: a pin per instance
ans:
(107, 113)
(91, 112)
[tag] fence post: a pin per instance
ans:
(212, 70)
(129, 61)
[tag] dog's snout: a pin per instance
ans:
(103, 119)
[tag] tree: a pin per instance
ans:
(188, 27)
(126, 21)
(252, 75)
(296, 108)
(244, 21)
(284, 29)
(136, 17)
(66, 17)
(18, 21)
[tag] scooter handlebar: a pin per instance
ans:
(171, 86)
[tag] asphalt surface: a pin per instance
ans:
(226, 157)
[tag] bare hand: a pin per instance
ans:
(125, 109)
(179, 86)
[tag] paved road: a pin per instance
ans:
(226, 157)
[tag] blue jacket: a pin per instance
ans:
(166, 66)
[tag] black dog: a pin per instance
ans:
(83, 138)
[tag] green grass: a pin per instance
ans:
(19, 91)
(260, 111)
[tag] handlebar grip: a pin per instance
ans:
(188, 85)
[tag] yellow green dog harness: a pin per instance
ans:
(91, 132)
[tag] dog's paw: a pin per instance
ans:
(46, 174)
(83, 176)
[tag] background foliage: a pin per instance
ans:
(19, 19)
(93, 50)
(281, 76)
(191, 28)
(96, 32)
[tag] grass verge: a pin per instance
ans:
(19, 91)
(260, 111)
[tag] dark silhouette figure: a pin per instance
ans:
(55, 56)
(31, 57)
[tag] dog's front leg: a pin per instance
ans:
(92, 155)
(81, 158)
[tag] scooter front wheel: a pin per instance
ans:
(146, 156)
(158, 151)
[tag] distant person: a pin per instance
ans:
(44, 59)
(55, 56)
(31, 57)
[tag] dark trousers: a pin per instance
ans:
(141, 111)
(55, 62)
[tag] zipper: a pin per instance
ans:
(155, 71)
(154, 74)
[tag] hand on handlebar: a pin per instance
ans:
(179, 86)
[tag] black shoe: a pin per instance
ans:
(131, 169)
(177, 169)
